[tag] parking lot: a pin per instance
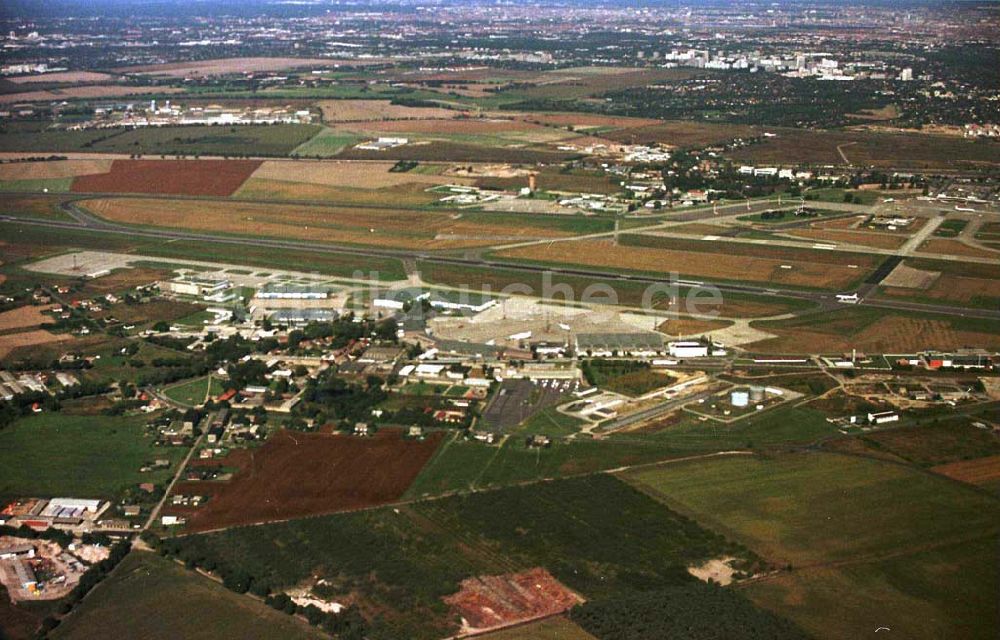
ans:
(518, 400)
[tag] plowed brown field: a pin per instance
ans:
(179, 177)
(301, 474)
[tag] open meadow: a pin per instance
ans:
(98, 456)
(848, 525)
(154, 598)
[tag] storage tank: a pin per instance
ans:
(757, 394)
(739, 398)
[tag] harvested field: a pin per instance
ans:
(371, 110)
(75, 77)
(488, 602)
(179, 177)
(362, 175)
(86, 91)
(224, 66)
(300, 474)
(874, 332)
(952, 247)
(982, 471)
(24, 317)
(365, 226)
(11, 341)
(864, 238)
(52, 169)
(813, 269)
(683, 133)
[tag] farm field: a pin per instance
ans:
(372, 110)
(11, 342)
(87, 456)
(814, 269)
(98, 91)
(154, 598)
(402, 562)
(25, 317)
(195, 392)
(874, 331)
(299, 474)
(939, 593)
(682, 133)
(983, 472)
(811, 508)
(915, 151)
(935, 444)
(177, 177)
(263, 140)
(361, 226)
(52, 169)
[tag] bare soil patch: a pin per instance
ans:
(493, 602)
(690, 326)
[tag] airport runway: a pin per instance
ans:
(87, 222)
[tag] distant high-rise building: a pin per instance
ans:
(906, 74)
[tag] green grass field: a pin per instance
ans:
(551, 423)
(326, 143)
(819, 507)
(461, 465)
(51, 454)
(871, 543)
(194, 392)
(52, 185)
(775, 427)
(153, 598)
(947, 592)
